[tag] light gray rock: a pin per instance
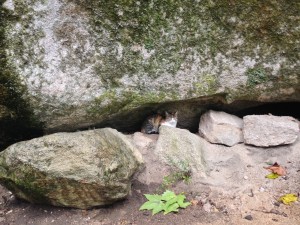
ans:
(221, 128)
(81, 169)
(181, 149)
(269, 130)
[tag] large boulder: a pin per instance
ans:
(269, 130)
(84, 63)
(81, 169)
(221, 128)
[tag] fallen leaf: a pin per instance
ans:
(272, 176)
(288, 198)
(276, 168)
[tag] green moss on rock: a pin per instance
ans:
(18, 120)
(151, 52)
(256, 76)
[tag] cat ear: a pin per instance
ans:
(166, 113)
(175, 114)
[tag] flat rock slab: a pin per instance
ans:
(81, 169)
(221, 128)
(269, 130)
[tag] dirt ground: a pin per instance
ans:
(17, 212)
(236, 192)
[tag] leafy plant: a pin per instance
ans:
(167, 202)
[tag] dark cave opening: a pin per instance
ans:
(191, 111)
(189, 115)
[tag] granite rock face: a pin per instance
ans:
(269, 130)
(81, 169)
(74, 64)
(221, 128)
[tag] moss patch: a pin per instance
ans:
(207, 85)
(256, 76)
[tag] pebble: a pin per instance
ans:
(248, 217)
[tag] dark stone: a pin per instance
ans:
(248, 217)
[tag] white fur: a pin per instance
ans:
(171, 123)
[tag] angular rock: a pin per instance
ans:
(181, 149)
(269, 130)
(221, 128)
(81, 169)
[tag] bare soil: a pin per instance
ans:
(17, 212)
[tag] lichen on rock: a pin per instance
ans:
(82, 59)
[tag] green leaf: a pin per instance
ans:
(167, 202)
(181, 202)
(180, 199)
(184, 205)
(153, 197)
(158, 208)
(167, 195)
(172, 208)
(272, 176)
(149, 205)
(170, 202)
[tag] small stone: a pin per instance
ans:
(276, 204)
(248, 217)
(251, 194)
(146, 213)
(245, 177)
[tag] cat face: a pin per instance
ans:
(171, 116)
(170, 120)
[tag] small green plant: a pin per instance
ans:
(167, 202)
(181, 172)
(175, 177)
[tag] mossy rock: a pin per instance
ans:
(89, 63)
(81, 169)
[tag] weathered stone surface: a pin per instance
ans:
(221, 128)
(81, 169)
(269, 130)
(181, 149)
(79, 63)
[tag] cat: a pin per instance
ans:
(152, 123)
